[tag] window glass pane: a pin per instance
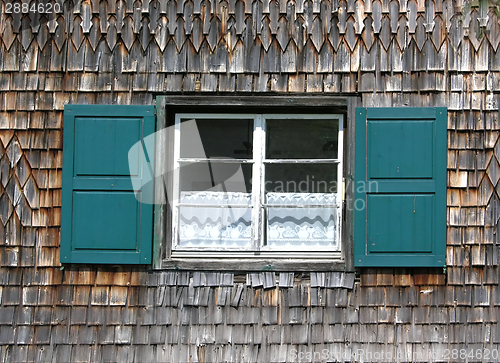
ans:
(215, 227)
(232, 177)
(301, 207)
(302, 139)
(301, 178)
(228, 138)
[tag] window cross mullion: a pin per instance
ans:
(301, 161)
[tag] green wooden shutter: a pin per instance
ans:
(400, 187)
(102, 220)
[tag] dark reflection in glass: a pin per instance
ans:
(229, 138)
(302, 139)
(224, 177)
(301, 178)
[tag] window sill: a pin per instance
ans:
(254, 264)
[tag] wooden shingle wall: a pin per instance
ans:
(391, 53)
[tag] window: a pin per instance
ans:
(264, 190)
(257, 184)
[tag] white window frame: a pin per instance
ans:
(258, 249)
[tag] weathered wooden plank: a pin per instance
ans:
(342, 59)
(268, 100)
(236, 58)
(244, 83)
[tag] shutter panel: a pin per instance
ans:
(102, 219)
(400, 187)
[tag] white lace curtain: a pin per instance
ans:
(307, 226)
(219, 219)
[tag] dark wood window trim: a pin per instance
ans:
(325, 103)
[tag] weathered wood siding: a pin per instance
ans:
(390, 53)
